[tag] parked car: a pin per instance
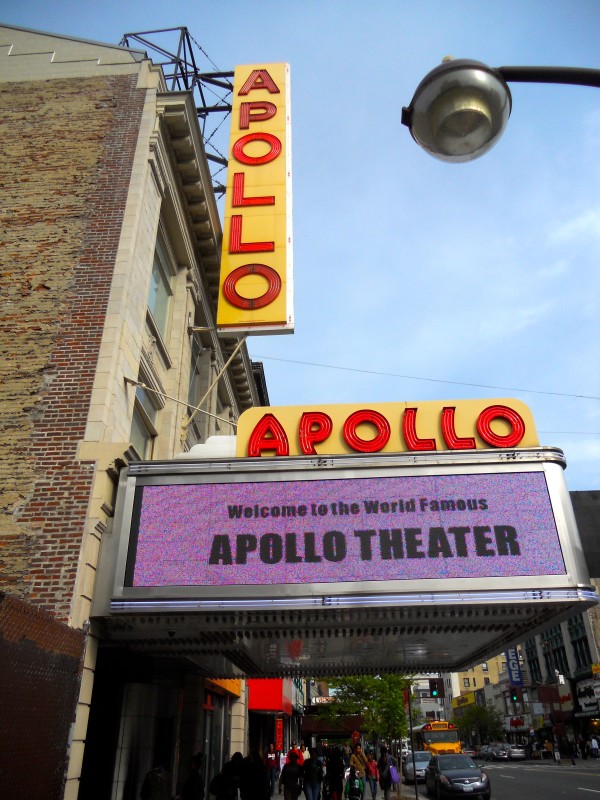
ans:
(469, 751)
(456, 774)
(484, 752)
(416, 771)
(517, 752)
(500, 751)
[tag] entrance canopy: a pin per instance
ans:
(313, 566)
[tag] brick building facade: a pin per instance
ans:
(110, 257)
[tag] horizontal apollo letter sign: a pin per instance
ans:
(256, 285)
(385, 428)
(392, 528)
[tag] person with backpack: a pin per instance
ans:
(354, 787)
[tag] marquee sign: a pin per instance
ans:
(291, 565)
(297, 527)
(326, 531)
(421, 427)
(256, 290)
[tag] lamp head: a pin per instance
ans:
(459, 110)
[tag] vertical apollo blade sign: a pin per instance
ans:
(256, 289)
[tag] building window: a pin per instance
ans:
(143, 429)
(533, 661)
(486, 681)
(466, 683)
(195, 373)
(159, 298)
(579, 642)
(555, 654)
(484, 666)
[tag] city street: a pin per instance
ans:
(527, 779)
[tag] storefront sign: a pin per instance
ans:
(586, 696)
(515, 675)
(385, 428)
(468, 698)
(256, 291)
(279, 734)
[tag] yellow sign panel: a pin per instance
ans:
(466, 699)
(231, 685)
(385, 428)
(256, 281)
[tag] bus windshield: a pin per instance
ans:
(432, 737)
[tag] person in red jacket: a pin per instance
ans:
(295, 749)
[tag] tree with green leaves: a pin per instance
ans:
(378, 699)
(484, 723)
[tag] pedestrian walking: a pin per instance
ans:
(254, 779)
(312, 775)
(271, 760)
(156, 785)
(334, 773)
(291, 777)
(384, 764)
(372, 774)
(354, 788)
(573, 751)
(225, 785)
(193, 788)
(299, 755)
(358, 760)
(594, 747)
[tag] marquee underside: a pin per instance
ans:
(447, 637)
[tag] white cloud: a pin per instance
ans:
(586, 225)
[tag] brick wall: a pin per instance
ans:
(66, 151)
(40, 671)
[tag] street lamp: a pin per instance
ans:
(460, 109)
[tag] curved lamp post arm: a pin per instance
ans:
(575, 76)
(460, 108)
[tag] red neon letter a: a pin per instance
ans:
(268, 434)
(259, 79)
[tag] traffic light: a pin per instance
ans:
(436, 687)
(516, 695)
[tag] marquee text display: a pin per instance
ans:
(346, 530)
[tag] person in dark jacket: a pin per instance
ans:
(193, 788)
(291, 778)
(335, 773)
(312, 775)
(384, 763)
(254, 779)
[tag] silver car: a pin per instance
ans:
(516, 752)
(500, 752)
(416, 771)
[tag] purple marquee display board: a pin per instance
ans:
(484, 525)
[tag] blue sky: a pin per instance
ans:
(417, 279)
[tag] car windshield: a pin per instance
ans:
(456, 762)
(420, 755)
